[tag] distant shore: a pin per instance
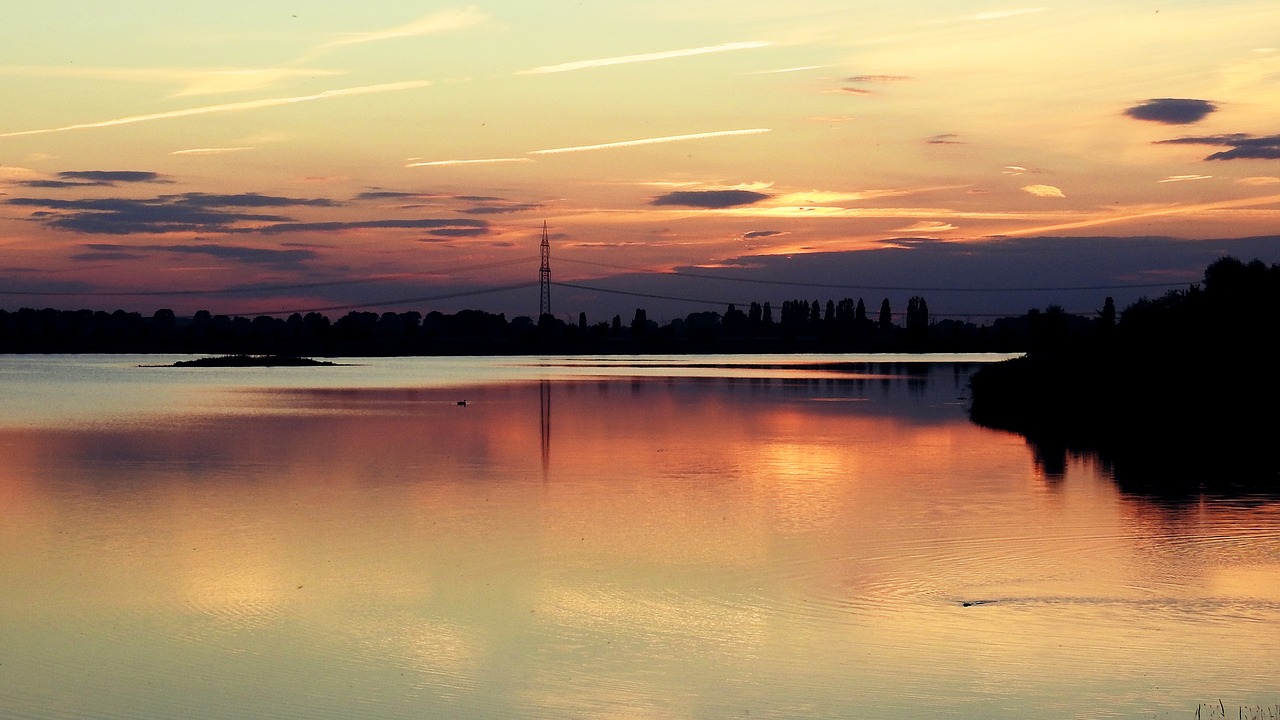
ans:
(225, 361)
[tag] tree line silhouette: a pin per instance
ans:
(795, 326)
(1177, 391)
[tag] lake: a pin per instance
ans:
(619, 537)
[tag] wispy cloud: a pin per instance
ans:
(644, 57)
(781, 71)
(437, 227)
(221, 82)
(191, 81)
(125, 74)
(210, 151)
(416, 163)
(877, 78)
(196, 82)
(1145, 213)
(479, 161)
(12, 174)
(1002, 14)
(443, 21)
(228, 107)
(651, 141)
(1184, 178)
(248, 255)
(928, 226)
(834, 197)
(1044, 191)
(761, 234)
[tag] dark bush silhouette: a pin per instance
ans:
(1184, 383)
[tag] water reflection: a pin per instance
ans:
(696, 547)
(1172, 473)
(544, 405)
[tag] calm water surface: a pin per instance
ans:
(597, 538)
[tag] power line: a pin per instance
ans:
(645, 295)
(701, 301)
(895, 288)
(399, 301)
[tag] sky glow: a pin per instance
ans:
(217, 146)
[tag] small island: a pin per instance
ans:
(223, 361)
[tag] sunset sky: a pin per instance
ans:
(272, 157)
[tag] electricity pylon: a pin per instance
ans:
(544, 274)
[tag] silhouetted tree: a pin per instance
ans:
(640, 323)
(1107, 318)
(917, 319)
(917, 314)
(735, 321)
(886, 316)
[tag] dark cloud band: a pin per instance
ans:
(710, 198)
(1172, 111)
(1242, 146)
(214, 213)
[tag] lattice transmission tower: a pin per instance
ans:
(544, 274)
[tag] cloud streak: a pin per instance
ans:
(229, 107)
(1002, 14)
(194, 82)
(588, 148)
(444, 21)
(1110, 219)
(651, 141)
(1243, 146)
(210, 150)
(479, 161)
(235, 253)
(643, 57)
(96, 178)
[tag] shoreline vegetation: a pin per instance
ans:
(1177, 394)
(796, 327)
